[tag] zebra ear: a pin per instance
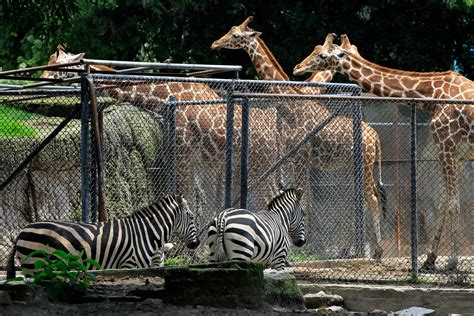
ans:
(299, 193)
(179, 199)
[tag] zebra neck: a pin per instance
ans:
(150, 226)
(281, 216)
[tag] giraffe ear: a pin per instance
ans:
(255, 34)
(299, 193)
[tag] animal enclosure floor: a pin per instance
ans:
(396, 269)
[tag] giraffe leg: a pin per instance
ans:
(449, 213)
(370, 194)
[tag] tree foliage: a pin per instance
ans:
(425, 35)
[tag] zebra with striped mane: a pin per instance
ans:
(266, 236)
(133, 241)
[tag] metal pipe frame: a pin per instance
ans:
(229, 147)
(244, 159)
(414, 209)
(85, 149)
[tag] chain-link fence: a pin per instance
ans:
(162, 135)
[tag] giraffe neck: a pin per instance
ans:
(383, 81)
(264, 62)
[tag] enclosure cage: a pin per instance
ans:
(111, 143)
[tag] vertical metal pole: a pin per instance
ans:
(358, 178)
(244, 170)
(414, 210)
(170, 145)
(85, 148)
(229, 146)
(102, 211)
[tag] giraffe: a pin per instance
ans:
(451, 125)
(200, 129)
(333, 144)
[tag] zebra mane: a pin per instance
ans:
(279, 197)
(166, 200)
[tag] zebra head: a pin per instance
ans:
(184, 224)
(288, 204)
(297, 232)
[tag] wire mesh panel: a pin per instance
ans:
(39, 159)
(375, 198)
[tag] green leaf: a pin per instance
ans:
(36, 252)
(93, 263)
(39, 264)
(61, 254)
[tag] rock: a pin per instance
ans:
(378, 312)
(228, 284)
(281, 290)
(5, 298)
(331, 310)
(321, 299)
(416, 311)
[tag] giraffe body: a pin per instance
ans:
(330, 148)
(200, 129)
(451, 125)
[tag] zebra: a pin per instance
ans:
(240, 234)
(135, 241)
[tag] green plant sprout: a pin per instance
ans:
(63, 275)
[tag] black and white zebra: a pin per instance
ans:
(266, 236)
(133, 241)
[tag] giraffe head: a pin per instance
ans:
(61, 57)
(327, 56)
(238, 37)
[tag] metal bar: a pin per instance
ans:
(170, 145)
(203, 73)
(9, 77)
(112, 63)
(348, 97)
(85, 149)
(293, 150)
(2, 85)
(244, 170)
(39, 84)
(102, 211)
(358, 177)
(229, 146)
(40, 147)
(45, 67)
(10, 92)
(414, 210)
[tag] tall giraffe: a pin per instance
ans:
(333, 144)
(200, 129)
(452, 125)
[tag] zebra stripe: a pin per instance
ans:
(240, 234)
(133, 241)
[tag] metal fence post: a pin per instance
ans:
(245, 154)
(85, 148)
(229, 146)
(170, 145)
(358, 177)
(414, 210)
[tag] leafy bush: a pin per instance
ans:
(64, 276)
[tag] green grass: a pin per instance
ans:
(298, 255)
(11, 122)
